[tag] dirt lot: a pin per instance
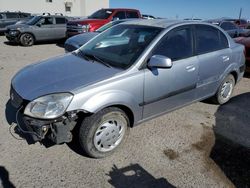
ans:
(202, 145)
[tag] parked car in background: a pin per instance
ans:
(98, 19)
(239, 35)
(242, 23)
(230, 27)
(129, 74)
(10, 18)
(149, 17)
(77, 41)
(193, 19)
(39, 28)
(246, 42)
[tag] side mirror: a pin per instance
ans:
(39, 25)
(160, 61)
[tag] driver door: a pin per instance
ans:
(44, 29)
(168, 88)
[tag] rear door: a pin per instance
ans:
(214, 56)
(167, 89)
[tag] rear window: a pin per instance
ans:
(12, 15)
(60, 21)
(101, 14)
(132, 14)
(209, 39)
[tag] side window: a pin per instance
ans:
(132, 14)
(228, 26)
(120, 15)
(12, 15)
(208, 39)
(24, 15)
(176, 45)
(223, 41)
(1, 17)
(60, 21)
(46, 21)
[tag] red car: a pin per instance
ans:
(100, 18)
(246, 42)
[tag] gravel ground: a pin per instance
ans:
(201, 145)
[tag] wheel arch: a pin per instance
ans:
(235, 75)
(27, 32)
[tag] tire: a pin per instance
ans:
(101, 134)
(27, 39)
(225, 90)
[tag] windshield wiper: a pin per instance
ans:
(89, 56)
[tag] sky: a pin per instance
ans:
(204, 9)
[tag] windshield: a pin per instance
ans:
(121, 45)
(33, 20)
(101, 14)
(108, 25)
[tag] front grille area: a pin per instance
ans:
(16, 100)
(74, 28)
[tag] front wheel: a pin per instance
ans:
(225, 90)
(27, 39)
(102, 133)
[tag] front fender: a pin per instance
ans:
(111, 98)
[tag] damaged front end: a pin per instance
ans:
(45, 117)
(57, 130)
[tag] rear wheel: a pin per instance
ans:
(27, 39)
(225, 90)
(102, 133)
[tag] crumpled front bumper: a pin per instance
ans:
(58, 130)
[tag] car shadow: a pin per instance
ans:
(4, 178)
(135, 176)
(231, 151)
(9, 43)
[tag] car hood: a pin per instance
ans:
(81, 39)
(61, 74)
(87, 21)
(13, 27)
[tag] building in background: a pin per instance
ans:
(66, 7)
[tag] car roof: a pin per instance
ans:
(163, 23)
(120, 9)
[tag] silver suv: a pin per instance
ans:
(39, 28)
(126, 75)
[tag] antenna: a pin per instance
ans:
(240, 13)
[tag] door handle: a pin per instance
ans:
(190, 68)
(225, 58)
